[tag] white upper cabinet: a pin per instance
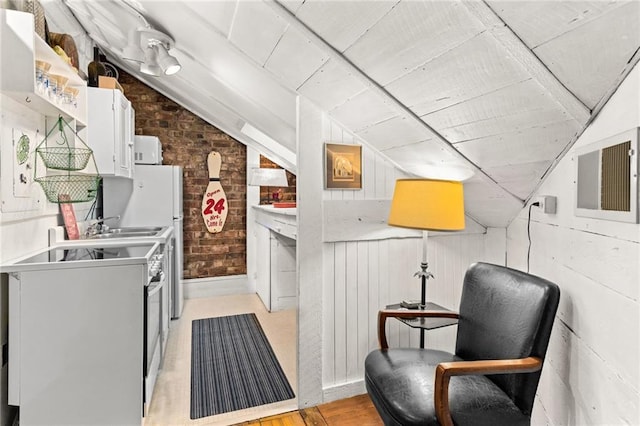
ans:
(110, 131)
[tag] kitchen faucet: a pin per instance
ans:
(98, 226)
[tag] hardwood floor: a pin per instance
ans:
(355, 411)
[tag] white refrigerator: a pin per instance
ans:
(156, 200)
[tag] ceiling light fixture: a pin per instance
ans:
(150, 48)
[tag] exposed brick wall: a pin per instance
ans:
(186, 141)
(287, 194)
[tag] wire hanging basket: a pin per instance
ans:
(70, 187)
(63, 156)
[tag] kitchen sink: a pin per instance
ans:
(128, 232)
(152, 229)
(122, 234)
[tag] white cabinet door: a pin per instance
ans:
(124, 140)
(110, 131)
(77, 333)
(283, 273)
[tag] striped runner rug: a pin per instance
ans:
(233, 366)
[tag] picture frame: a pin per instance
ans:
(343, 166)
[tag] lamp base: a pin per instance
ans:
(424, 275)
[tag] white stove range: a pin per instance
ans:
(85, 326)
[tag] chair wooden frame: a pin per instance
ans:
(445, 370)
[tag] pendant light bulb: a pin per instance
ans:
(168, 63)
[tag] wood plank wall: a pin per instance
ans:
(360, 277)
(592, 374)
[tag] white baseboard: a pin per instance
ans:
(343, 390)
(215, 286)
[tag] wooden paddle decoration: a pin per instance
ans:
(214, 201)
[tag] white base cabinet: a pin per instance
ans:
(276, 278)
(76, 346)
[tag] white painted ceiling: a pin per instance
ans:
(501, 88)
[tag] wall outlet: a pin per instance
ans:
(548, 203)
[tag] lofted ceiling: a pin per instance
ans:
(494, 89)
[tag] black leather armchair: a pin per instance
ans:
(504, 327)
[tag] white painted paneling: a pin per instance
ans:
(410, 35)
(523, 97)
(522, 171)
(395, 132)
(218, 13)
(598, 278)
(329, 285)
(516, 50)
(592, 374)
(510, 123)
(474, 68)
(495, 207)
(576, 388)
(525, 146)
(430, 159)
(536, 23)
(295, 59)
(330, 85)
(364, 109)
(292, 5)
(519, 179)
(496, 246)
(256, 29)
(614, 36)
(341, 23)
(352, 308)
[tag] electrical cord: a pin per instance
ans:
(529, 233)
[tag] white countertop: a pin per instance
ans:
(292, 211)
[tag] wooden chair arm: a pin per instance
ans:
(445, 370)
(406, 313)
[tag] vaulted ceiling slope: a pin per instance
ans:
(497, 89)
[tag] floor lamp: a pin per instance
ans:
(427, 205)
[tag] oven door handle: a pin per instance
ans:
(154, 289)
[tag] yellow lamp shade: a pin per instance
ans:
(428, 204)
